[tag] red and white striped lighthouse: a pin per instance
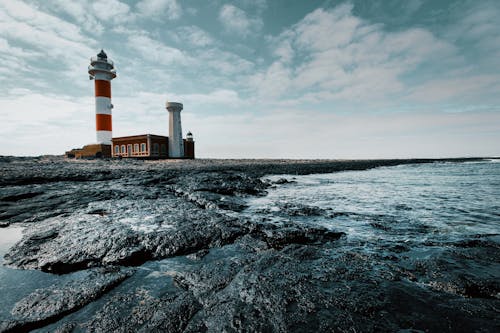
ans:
(102, 71)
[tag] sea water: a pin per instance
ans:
(417, 204)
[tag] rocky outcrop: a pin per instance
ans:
(44, 306)
(224, 190)
(170, 227)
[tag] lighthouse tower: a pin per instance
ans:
(175, 142)
(102, 70)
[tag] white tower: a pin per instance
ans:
(175, 142)
(102, 70)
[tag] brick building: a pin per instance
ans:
(148, 146)
(140, 146)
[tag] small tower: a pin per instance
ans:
(175, 142)
(102, 70)
(189, 146)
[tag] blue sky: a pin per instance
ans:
(271, 79)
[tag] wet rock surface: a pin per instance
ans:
(44, 306)
(202, 266)
(129, 234)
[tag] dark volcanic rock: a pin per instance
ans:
(300, 288)
(141, 312)
(50, 304)
(280, 236)
(62, 245)
(468, 268)
(282, 181)
(223, 190)
(300, 210)
(18, 197)
(223, 272)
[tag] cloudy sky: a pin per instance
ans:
(275, 78)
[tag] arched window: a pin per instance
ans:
(136, 148)
(124, 149)
(143, 147)
(117, 150)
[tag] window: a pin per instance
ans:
(136, 148)
(129, 149)
(156, 148)
(143, 147)
(117, 150)
(124, 150)
(163, 149)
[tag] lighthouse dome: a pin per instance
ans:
(102, 54)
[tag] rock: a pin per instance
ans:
(44, 306)
(223, 190)
(18, 197)
(300, 210)
(279, 237)
(282, 181)
(141, 312)
(63, 245)
(198, 255)
(66, 328)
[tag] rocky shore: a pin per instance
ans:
(161, 246)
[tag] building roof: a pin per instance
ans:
(141, 136)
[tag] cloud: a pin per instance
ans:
(112, 10)
(455, 88)
(300, 135)
(90, 15)
(476, 29)
(169, 9)
(80, 11)
(16, 52)
(193, 35)
(68, 122)
(220, 98)
(337, 84)
(236, 20)
(29, 24)
(32, 123)
(224, 63)
(332, 55)
(59, 43)
(144, 112)
(208, 63)
(156, 51)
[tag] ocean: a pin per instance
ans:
(414, 204)
(412, 218)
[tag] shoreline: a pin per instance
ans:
(50, 169)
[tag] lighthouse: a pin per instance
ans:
(102, 71)
(175, 141)
(143, 146)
